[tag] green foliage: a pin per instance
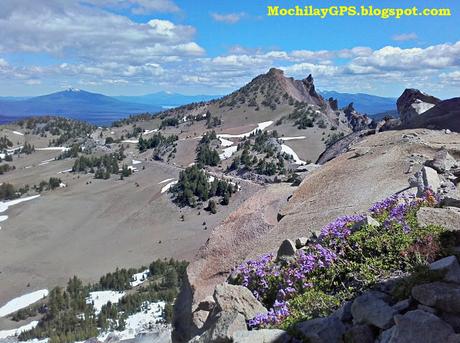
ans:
(193, 186)
(105, 165)
(420, 275)
(27, 148)
(207, 156)
(169, 122)
(68, 318)
(314, 303)
(8, 192)
(4, 168)
(155, 141)
(5, 143)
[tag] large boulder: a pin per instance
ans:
(420, 326)
(322, 330)
(449, 217)
(449, 265)
(413, 103)
(231, 298)
(222, 330)
(261, 336)
(441, 295)
(431, 178)
(442, 162)
(360, 334)
(286, 249)
(370, 308)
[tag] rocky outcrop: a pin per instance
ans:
(229, 244)
(374, 167)
(417, 110)
(357, 121)
(413, 103)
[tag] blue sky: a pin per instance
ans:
(215, 46)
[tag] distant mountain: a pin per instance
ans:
(167, 99)
(77, 104)
(364, 103)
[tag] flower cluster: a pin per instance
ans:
(275, 283)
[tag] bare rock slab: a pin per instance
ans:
(370, 308)
(440, 295)
(448, 218)
(261, 336)
(231, 298)
(449, 265)
(420, 326)
(322, 330)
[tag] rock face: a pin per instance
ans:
(444, 296)
(413, 103)
(357, 120)
(261, 336)
(370, 308)
(449, 218)
(420, 326)
(322, 330)
(230, 298)
(268, 218)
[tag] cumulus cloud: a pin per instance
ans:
(93, 44)
(137, 6)
(403, 37)
(228, 18)
(90, 33)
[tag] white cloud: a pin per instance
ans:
(137, 6)
(228, 18)
(403, 37)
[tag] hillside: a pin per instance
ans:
(390, 158)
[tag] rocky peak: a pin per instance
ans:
(357, 121)
(413, 103)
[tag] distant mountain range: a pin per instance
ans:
(167, 99)
(74, 103)
(363, 103)
(100, 109)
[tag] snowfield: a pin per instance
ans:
(53, 148)
(288, 150)
(133, 141)
(139, 322)
(139, 278)
(285, 139)
(23, 301)
(148, 132)
(228, 152)
(4, 205)
(100, 298)
(225, 142)
(136, 162)
(18, 331)
(260, 126)
(168, 186)
(18, 133)
(164, 181)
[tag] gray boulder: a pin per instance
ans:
(431, 178)
(370, 308)
(448, 218)
(360, 334)
(452, 319)
(402, 305)
(420, 326)
(448, 265)
(441, 295)
(442, 161)
(451, 197)
(322, 330)
(286, 249)
(261, 336)
(367, 220)
(223, 329)
(231, 298)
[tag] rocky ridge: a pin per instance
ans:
(402, 153)
(430, 313)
